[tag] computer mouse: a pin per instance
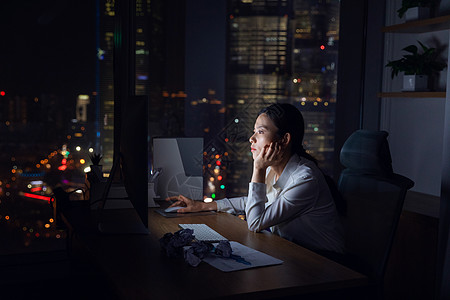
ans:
(172, 209)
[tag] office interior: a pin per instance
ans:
(418, 127)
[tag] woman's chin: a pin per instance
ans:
(254, 155)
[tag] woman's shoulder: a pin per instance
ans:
(305, 170)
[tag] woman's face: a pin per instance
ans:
(264, 133)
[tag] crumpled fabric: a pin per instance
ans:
(223, 249)
(173, 243)
(201, 249)
(190, 257)
(183, 244)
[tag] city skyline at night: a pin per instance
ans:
(202, 81)
(281, 51)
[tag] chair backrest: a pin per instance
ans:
(374, 197)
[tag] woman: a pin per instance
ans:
(288, 193)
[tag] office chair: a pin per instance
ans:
(374, 197)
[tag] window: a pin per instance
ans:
(46, 118)
(207, 66)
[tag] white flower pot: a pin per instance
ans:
(415, 83)
(417, 13)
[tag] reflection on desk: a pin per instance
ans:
(138, 269)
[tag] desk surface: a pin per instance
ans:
(138, 269)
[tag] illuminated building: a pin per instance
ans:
(280, 51)
(105, 80)
(314, 79)
(142, 47)
(105, 86)
(81, 110)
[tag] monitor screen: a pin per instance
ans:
(180, 161)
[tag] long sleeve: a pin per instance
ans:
(297, 199)
(231, 205)
(298, 207)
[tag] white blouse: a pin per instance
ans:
(298, 207)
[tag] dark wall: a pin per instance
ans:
(359, 69)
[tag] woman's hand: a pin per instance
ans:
(272, 154)
(190, 205)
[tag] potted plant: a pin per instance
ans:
(414, 9)
(417, 67)
(96, 168)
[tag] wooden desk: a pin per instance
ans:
(138, 269)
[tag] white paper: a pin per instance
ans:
(254, 257)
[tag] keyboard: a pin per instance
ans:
(203, 232)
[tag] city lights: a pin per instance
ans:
(39, 197)
(267, 51)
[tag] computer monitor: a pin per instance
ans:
(181, 163)
(134, 170)
(134, 152)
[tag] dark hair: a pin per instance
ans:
(287, 118)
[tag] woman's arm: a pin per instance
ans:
(295, 201)
(232, 205)
(190, 205)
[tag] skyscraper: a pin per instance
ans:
(105, 80)
(280, 51)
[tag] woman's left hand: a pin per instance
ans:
(270, 155)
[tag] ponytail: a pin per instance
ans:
(302, 152)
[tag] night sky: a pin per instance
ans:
(47, 46)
